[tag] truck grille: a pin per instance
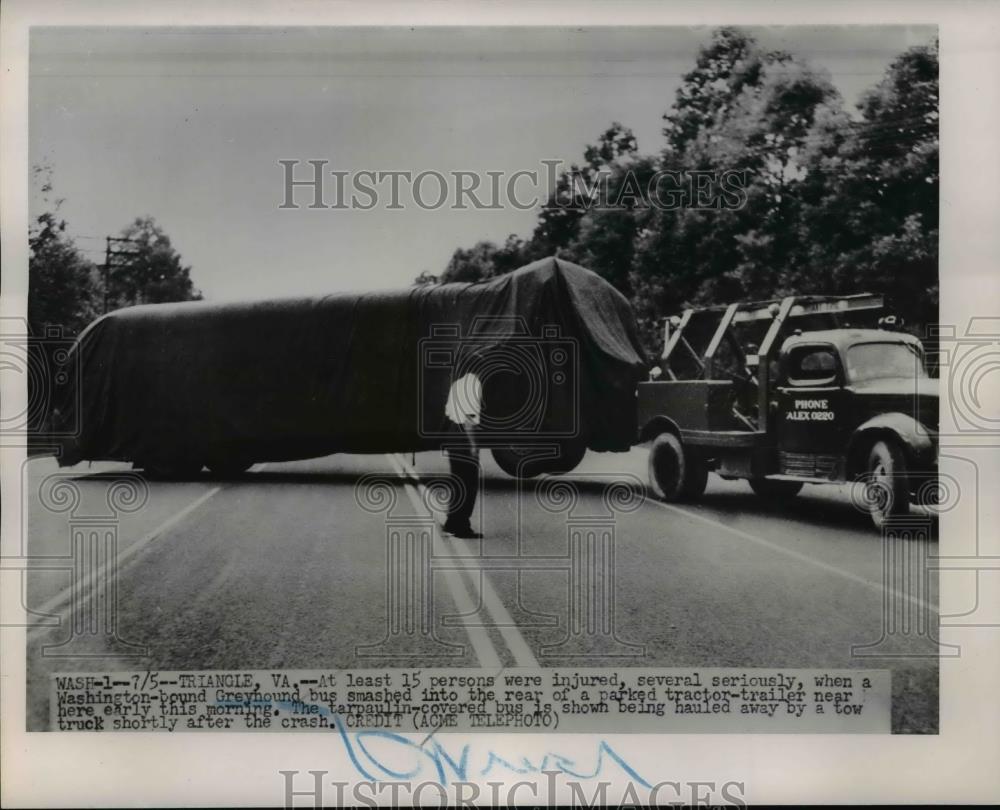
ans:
(808, 465)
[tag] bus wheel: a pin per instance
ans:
(673, 474)
(514, 461)
(517, 462)
(775, 489)
(571, 453)
(887, 493)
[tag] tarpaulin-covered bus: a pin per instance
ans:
(175, 387)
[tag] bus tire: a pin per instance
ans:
(517, 462)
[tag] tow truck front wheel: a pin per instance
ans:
(887, 492)
(674, 474)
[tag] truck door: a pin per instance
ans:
(810, 410)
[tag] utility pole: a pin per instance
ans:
(107, 271)
(108, 253)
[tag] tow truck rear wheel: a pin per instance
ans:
(775, 489)
(675, 474)
(888, 490)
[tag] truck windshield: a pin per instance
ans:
(876, 361)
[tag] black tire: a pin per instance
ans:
(675, 475)
(775, 490)
(517, 463)
(511, 461)
(888, 494)
(570, 456)
(697, 477)
(229, 467)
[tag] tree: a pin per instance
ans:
(62, 297)
(589, 217)
(485, 260)
(578, 190)
(426, 279)
(471, 264)
(827, 204)
(152, 272)
(605, 236)
(767, 132)
(683, 255)
(62, 290)
(724, 69)
(756, 112)
(876, 227)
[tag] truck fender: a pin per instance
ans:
(912, 436)
(657, 425)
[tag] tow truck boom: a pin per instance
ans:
(779, 316)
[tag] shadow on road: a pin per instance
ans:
(264, 477)
(813, 510)
(810, 509)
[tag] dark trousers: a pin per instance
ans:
(463, 462)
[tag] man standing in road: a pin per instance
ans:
(462, 410)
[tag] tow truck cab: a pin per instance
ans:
(816, 401)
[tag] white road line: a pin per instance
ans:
(798, 555)
(479, 638)
(66, 593)
(502, 620)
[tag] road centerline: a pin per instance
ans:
(502, 620)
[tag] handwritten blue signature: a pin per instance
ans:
(434, 753)
(431, 753)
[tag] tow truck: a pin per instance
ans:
(792, 391)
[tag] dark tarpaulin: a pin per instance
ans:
(555, 345)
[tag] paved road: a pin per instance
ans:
(286, 567)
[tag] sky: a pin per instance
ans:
(188, 126)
